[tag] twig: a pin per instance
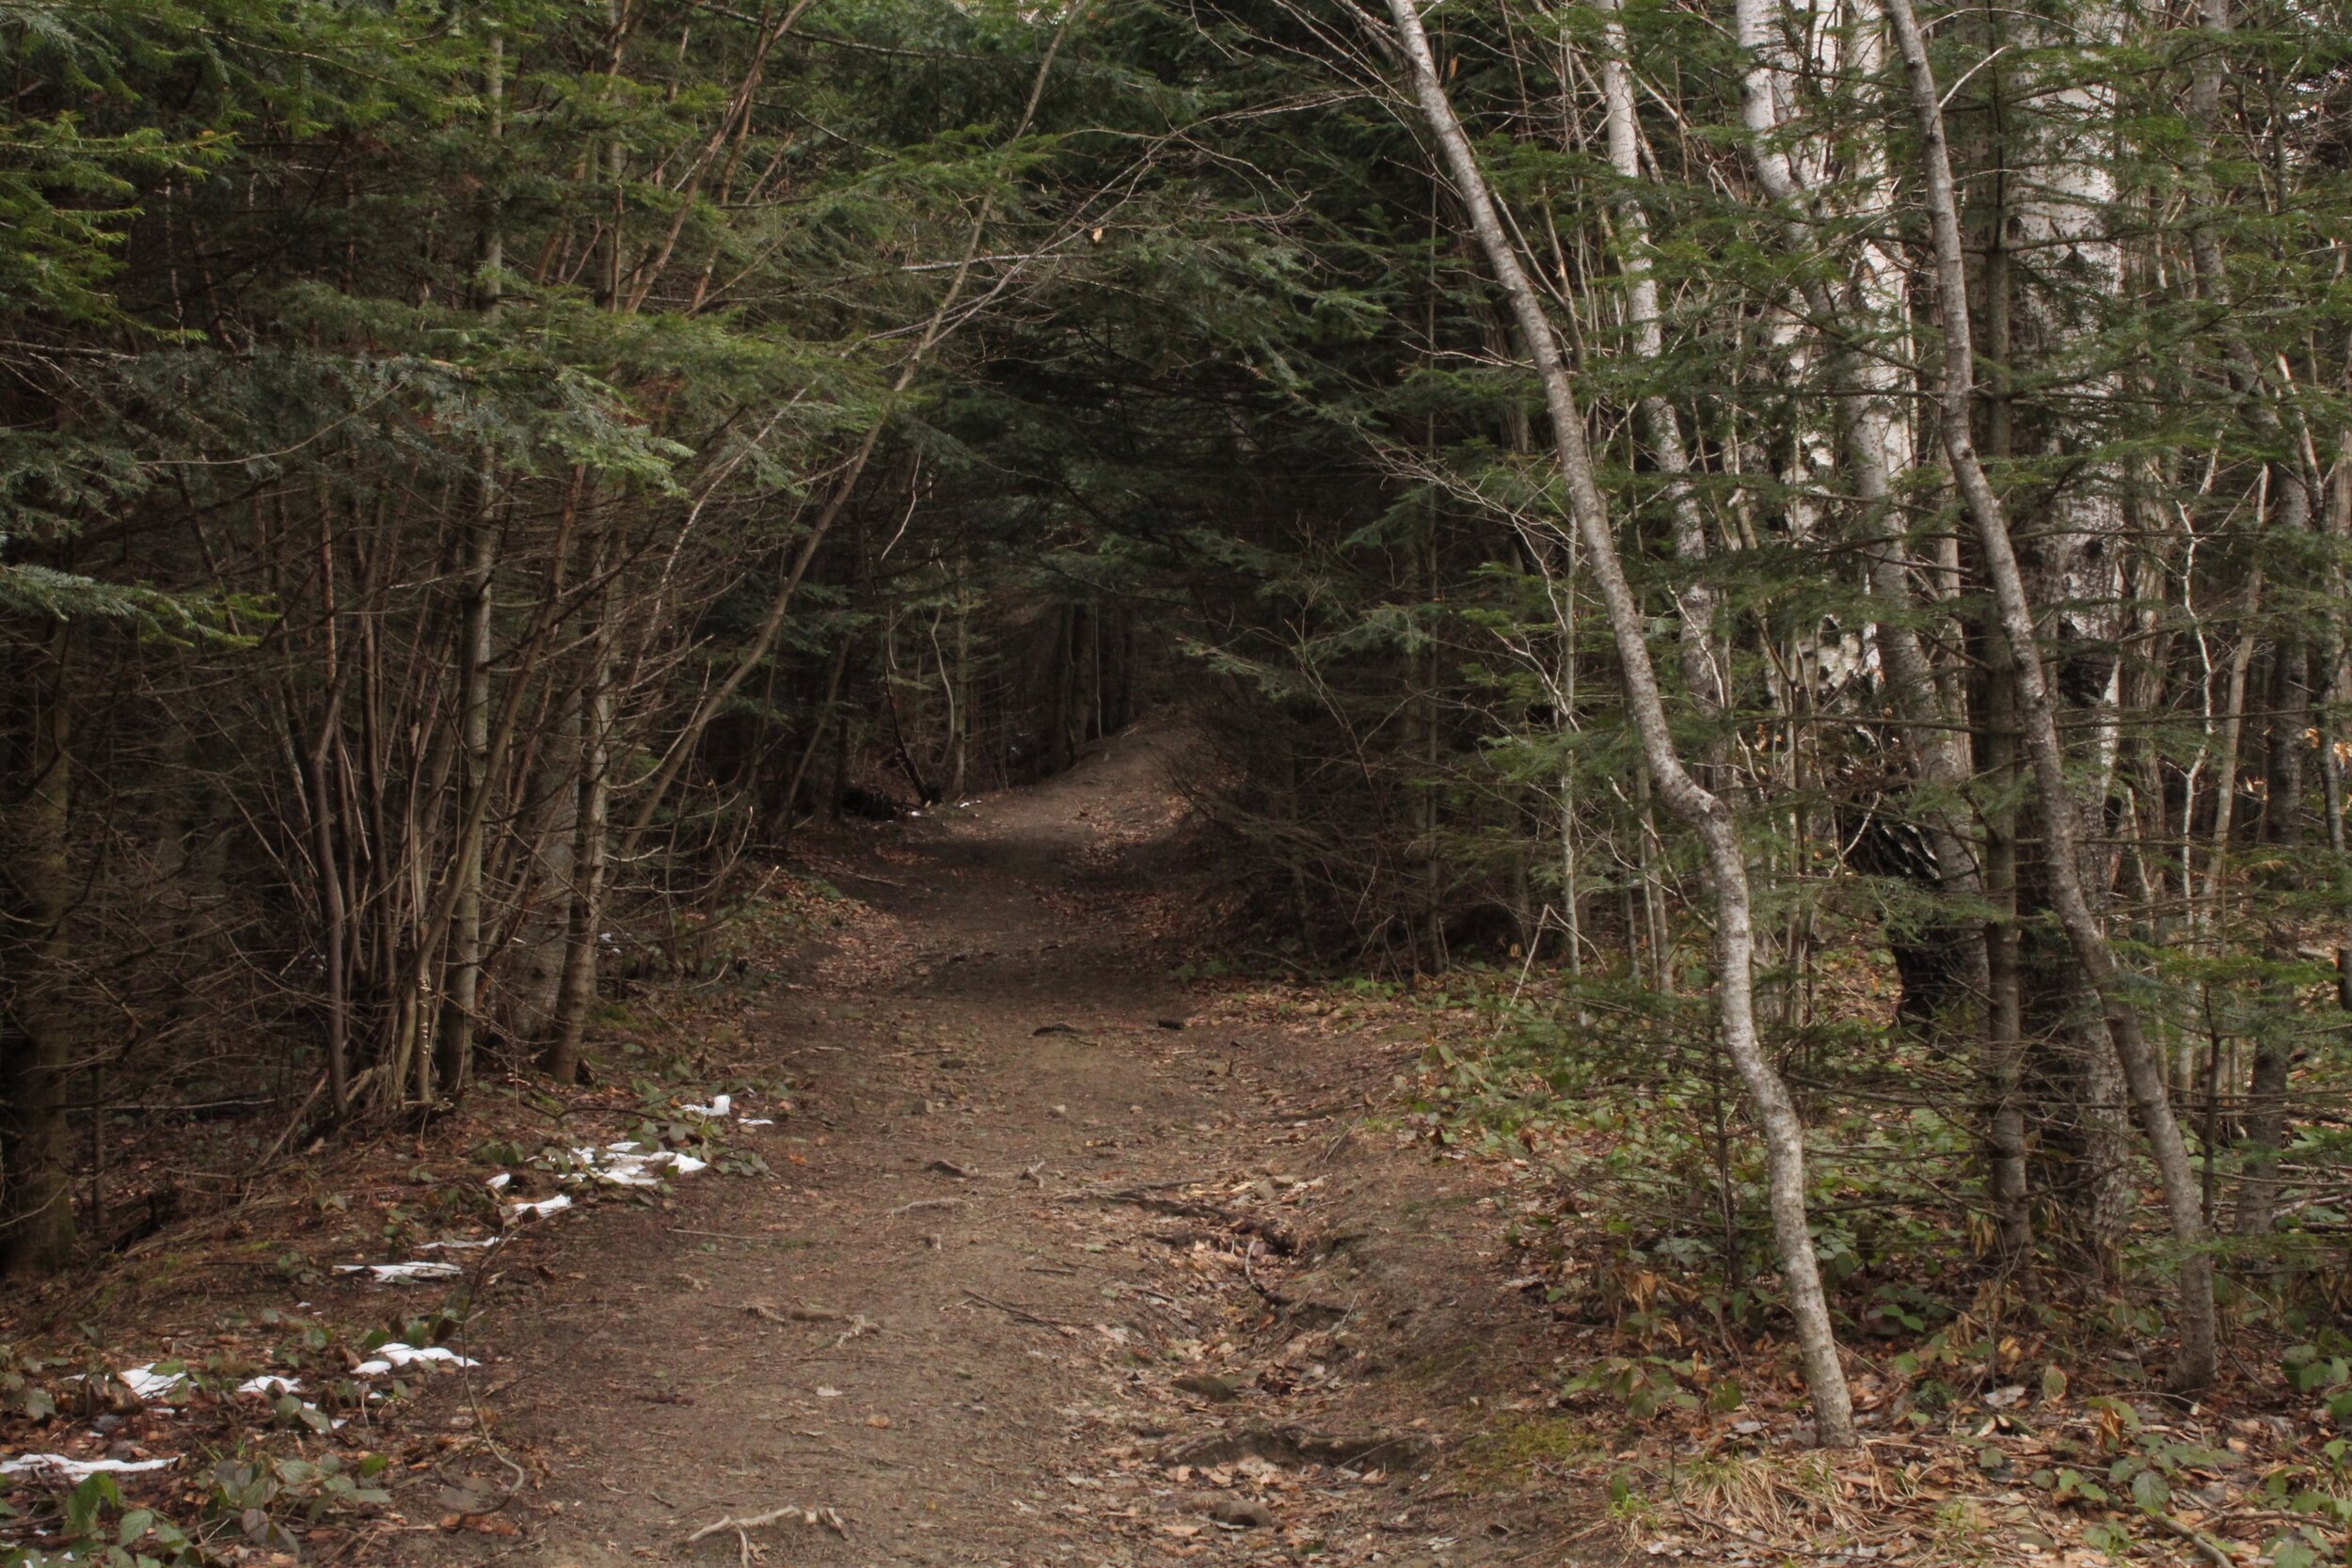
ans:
(1333, 1147)
(925, 1203)
(801, 1314)
(1272, 1298)
(465, 1365)
(829, 1518)
(1021, 1313)
(1781, 1547)
(2207, 1548)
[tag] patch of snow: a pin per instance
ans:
(757, 1121)
(540, 1210)
(721, 1105)
(149, 1384)
(396, 1274)
(393, 1353)
(623, 1164)
(498, 1183)
(271, 1385)
(456, 1246)
(63, 1468)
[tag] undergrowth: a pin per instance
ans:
(2004, 1403)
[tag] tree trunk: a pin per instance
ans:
(37, 1032)
(2265, 1124)
(1874, 436)
(825, 719)
(545, 936)
(1702, 671)
(576, 992)
(2141, 1071)
(1701, 810)
(462, 992)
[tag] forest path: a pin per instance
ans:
(1016, 1399)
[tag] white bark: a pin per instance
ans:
(1870, 348)
(1703, 674)
(1704, 811)
(2142, 1071)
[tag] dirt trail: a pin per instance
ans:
(1018, 1399)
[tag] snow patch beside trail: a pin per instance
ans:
(149, 1384)
(618, 1165)
(63, 1468)
(624, 1164)
(400, 1274)
(393, 1353)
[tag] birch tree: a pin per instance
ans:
(2018, 628)
(1705, 811)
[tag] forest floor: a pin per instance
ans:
(1141, 1285)
(1019, 1248)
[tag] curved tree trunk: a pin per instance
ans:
(2142, 1072)
(1876, 444)
(1705, 813)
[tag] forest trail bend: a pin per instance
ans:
(1082, 1239)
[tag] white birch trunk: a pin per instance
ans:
(2140, 1069)
(1700, 809)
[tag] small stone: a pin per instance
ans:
(1247, 1512)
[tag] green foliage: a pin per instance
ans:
(262, 1498)
(1647, 1385)
(20, 1387)
(97, 1525)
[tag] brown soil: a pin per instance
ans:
(1142, 1208)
